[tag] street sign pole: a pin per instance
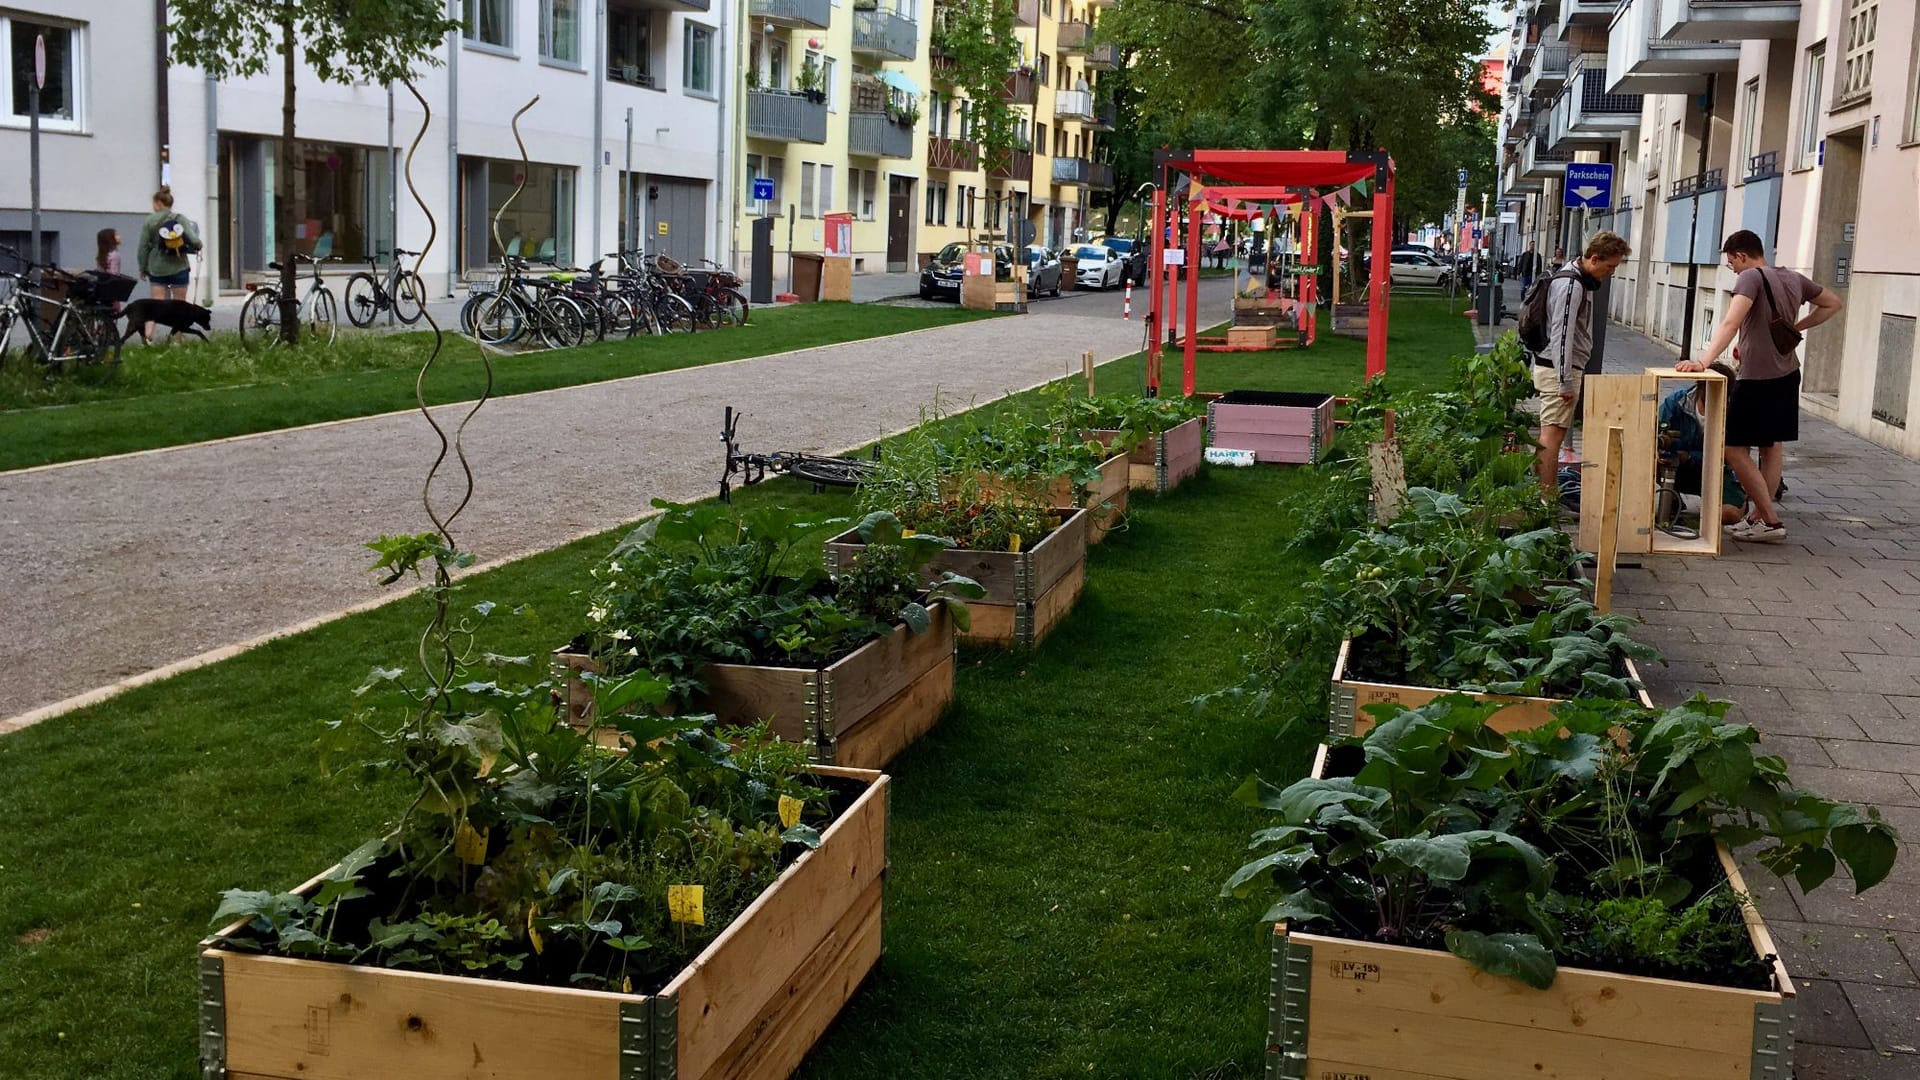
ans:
(33, 140)
(1459, 211)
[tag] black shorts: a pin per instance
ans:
(1762, 412)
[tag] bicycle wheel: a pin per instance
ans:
(673, 314)
(561, 323)
(363, 299)
(410, 298)
(831, 471)
(618, 316)
(323, 317)
(470, 313)
(260, 319)
(733, 308)
(500, 318)
(6, 337)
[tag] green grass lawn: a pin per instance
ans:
(167, 396)
(1058, 840)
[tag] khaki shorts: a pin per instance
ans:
(1555, 411)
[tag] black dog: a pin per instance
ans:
(178, 316)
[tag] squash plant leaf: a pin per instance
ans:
(1516, 956)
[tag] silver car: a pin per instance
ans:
(1043, 271)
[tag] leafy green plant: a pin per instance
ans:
(1136, 418)
(1593, 835)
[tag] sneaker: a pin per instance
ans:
(1759, 532)
(1780, 492)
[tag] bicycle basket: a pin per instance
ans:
(665, 264)
(100, 287)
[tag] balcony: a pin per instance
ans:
(1706, 196)
(1586, 13)
(1018, 166)
(885, 35)
(1067, 170)
(876, 134)
(1100, 176)
(1073, 104)
(952, 155)
(1104, 57)
(1020, 89)
(1540, 162)
(1547, 69)
(1026, 13)
(1728, 20)
(1105, 115)
(1585, 113)
(785, 117)
(1075, 37)
(1641, 62)
(817, 13)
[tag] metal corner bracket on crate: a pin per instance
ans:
(1342, 711)
(1291, 976)
(823, 736)
(649, 1038)
(1772, 1041)
(213, 1016)
(1026, 602)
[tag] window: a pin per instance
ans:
(1040, 138)
(777, 66)
(753, 172)
(539, 224)
(698, 74)
(560, 30)
(828, 68)
(1856, 72)
(630, 48)
(825, 190)
(1042, 69)
(932, 190)
(869, 191)
(1749, 118)
(806, 188)
(1810, 105)
(60, 104)
(1913, 91)
(489, 22)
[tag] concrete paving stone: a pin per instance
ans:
(1883, 789)
(1823, 1016)
(1870, 682)
(1879, 663)
(1693, 620)
(1908, 707)
(1700, 651)
(1684, 673)
(1854, 754)
(1819, 1061)
(1778, 676)
(1804, 749)
(1781, 624)
(1818, 659)
(1896, 642)
(1773, 718)
(1904, 730)
(1727, 635)
(1883, 909)
(1805, 607)
(1909, 945)
(1818, 951)
(1892, 601)
(1891, 1017)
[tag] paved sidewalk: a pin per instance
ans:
(119, 567)
(1817, 640)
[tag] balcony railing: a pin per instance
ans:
(1075, 36)
(1073, 104)
(1707, 196)
(886, 34)
(1018, 166)
(1020, 89)
(793, 12)
(1727, 20)
(875, 134)
(1105, 116)
(773, 114)
(1100, 175)
(1067, 170)
(1762, 165)
(952, 155)
(1688, 186)
(1104, 57)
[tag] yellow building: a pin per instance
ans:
(846, 112)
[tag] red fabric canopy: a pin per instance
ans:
(1295, 168)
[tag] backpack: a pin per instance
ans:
(175, 237)
(1533, 311)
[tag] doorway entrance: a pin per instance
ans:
(899, 222)
(1833, 252)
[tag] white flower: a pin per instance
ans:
(613, 568)
(633, 652)
(597, 614)
(620, 634)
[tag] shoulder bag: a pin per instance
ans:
(1785, 338)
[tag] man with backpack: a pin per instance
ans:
(1556, 329)
(1763, 411)
(167, 238)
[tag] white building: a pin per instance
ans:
(614, 79)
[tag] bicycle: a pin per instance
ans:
(662, 310)
(63, 333)
(502, 311)
(822, 472)
(402, 292)
(318, 312)
(711, 291)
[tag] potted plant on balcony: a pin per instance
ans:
(753, 78)
(811, 81)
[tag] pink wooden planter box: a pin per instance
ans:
(1286, 428)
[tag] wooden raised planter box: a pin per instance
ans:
(1253, 337)
(1350, 698)
(1161, 463)
(1107, 498)
(859, 711)
(751, 1005)
(1339, 1008)
(1028, 592)
(1273, 313)
(1283, 428)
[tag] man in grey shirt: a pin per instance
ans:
(1764, 409)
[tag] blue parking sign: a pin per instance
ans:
(763, 189)
(1588, 186)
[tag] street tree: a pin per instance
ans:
(340, 41)
(976, 49)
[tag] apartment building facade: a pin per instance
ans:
(617, 82)
(851, 109)
(1797, 119)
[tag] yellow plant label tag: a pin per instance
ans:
(470, 844)
(687, 904)
(908, 532)
(533, 932)
(626, 985)
(790, 811)
(1013, 543)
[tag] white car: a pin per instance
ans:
(1098, 268)
(1416, 268)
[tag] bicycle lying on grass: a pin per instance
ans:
(821, 472)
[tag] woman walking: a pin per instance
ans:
(166, 240)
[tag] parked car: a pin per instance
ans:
(1414, 268)
(1099, 267)
(1043, 271)
(941, 279)
(1135, 255)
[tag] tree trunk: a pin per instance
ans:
(283, 188)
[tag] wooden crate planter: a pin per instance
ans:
(1028, 592)
(1349, 1009)
(1253, 337)
(859, 711)
(750, 1006)
(1106, 498)
(1285, 428)
(1350, 698)
(1164, 461)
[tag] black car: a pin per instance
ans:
(941, 279)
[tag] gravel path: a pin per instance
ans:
(120, 567)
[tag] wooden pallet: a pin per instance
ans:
(748, 1008)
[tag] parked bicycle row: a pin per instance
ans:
(559, 309)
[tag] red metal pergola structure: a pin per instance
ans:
(1264, 175)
